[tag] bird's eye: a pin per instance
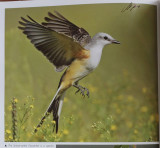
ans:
(106, 38)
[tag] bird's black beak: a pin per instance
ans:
(115, 42)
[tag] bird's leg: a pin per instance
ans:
(77, 86)
(82, 89)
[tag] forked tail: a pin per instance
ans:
(55, 107)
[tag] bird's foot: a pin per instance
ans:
(87, 91)
(82, 90)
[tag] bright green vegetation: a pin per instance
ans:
(123, 89)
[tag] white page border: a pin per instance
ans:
(41, 3)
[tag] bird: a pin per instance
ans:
(70, 49)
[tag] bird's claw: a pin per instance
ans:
(87, 92)
(83, 90)
(83, 93)
(77, 91)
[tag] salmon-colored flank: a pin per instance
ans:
(82, 54)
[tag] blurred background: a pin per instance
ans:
(123, 90)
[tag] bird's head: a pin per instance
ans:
(104, 39)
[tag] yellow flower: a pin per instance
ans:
(144, 90)
(144, 109)
(59, 135)
(130, 98)
(65, 132)
(81, 140)
(31, 106)
(44, 120)
(113, 127)
(115, 105)
(8, 131)
(152, 118)
(38, 128)
(53, 122)
(23, 127)
(10, 108)
(135, 131)
(10, 137)
(70, 122)
(15, 100)
(54, 136)
(125, 72)
(34, 127)
(118, 111)
(92, 88)
(47, 113)
(29, 134)
(120, 97)
(65, 99)
(129, 124)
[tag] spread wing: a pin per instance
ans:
(60, 49)
(60, 24)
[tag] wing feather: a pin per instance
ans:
(60, 24)
(57, 47)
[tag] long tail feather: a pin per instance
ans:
(55, 110)
(49, 110)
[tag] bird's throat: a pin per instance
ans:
(95, 57)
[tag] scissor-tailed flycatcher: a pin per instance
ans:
(67, 47)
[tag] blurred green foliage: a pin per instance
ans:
(123, 89)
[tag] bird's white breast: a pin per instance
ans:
(95, 56)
